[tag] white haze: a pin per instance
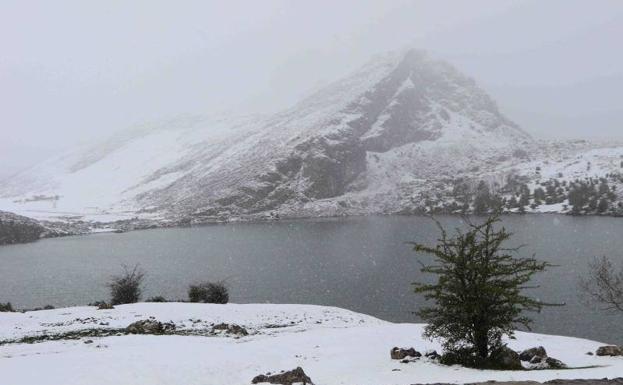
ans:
(72, 70)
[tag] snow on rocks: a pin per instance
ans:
(611, 350)
(334, 346)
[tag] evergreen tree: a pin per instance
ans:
(477, 297)
(603, 205)
(483, 199)
(539, 196)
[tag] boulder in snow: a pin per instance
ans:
(505, 358)
(611, 350)
(231, 329)
(401, 354)
(530, 354)
(150, 327)
(295, 376)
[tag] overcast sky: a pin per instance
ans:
(76, 70)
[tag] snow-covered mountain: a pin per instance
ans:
(386, 139)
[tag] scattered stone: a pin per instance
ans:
(105, 306)
(88, 342)
(541, 363)
(590, 353)
(530, 354)
(433, 355)
(553, 363)
(231, 329)
(295, 376)
(507, 359)
(611, 351)
(401, 354)
(150, 327)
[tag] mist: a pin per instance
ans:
(72, 71)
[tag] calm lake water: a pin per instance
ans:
(362, 264)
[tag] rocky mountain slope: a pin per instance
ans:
(19, 229)
(397, 136)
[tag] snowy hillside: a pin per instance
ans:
(333, 346)
(397, 136)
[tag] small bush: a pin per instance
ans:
(209, 292)
(126, 287)
(6, 307)
(157, 298)
(46, 307)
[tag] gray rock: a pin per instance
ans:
(231, 329)
(610, 350)
(553, 363)
(433, 355)
(150, 327)
(401, 354)
(295, 376)
(530, 354)
(507, 359)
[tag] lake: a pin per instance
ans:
(359, 263)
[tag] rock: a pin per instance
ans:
(546, 363)
(529, 354)
(535, 360)
(610, 350)
(88, 342)
(105, 306)
(150, 327)
(432, 355)
(231, 329)
(295, 376)
(507, 359)
(553, 363)
(401, 354)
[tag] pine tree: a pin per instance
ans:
(603, 205)
(482, 201)
(477, 297)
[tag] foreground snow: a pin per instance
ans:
(333, 346)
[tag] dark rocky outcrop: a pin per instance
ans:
(150, 327)
(295, 376)
(401, 354)
(530, 354)
(611, 350)
(505, 358)
(553, 363)
(18, 229)
(231, 329)
(432, 355)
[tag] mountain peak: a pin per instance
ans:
(366, 139)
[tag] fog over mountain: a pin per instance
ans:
(73, 72)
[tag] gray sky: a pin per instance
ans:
(76, 70)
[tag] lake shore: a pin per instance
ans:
(332, 345)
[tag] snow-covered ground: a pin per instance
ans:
(332, 345)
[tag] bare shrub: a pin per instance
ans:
(126, 287)
(209, 292)
(6, 307)
(603, 286)
(157, 298)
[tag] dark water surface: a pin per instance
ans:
(362, 264)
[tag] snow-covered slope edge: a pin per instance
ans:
(334, 346)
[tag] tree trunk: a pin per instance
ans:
(482, 343)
